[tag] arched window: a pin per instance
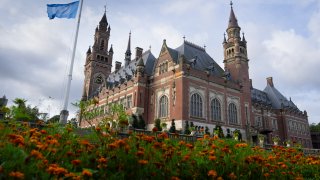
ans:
(163, 107)
(102, 45)
(196, 105)
(215, 110)
(232, 114)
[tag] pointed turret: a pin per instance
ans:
(128, 51)
(89, 50)
(243, 38)
(233, 22)
(111, 49)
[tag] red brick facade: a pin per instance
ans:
(190, 87)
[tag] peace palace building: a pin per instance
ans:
(186, 84)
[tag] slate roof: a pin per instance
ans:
(197, 57)
(127, 72)
(259, 96)
(277, 99)
(271, 96)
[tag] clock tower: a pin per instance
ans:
(98, 61)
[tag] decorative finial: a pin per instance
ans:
(231, 4)
(204, 46)
(150, 47)
(130, 33)
(184, 37)
(105, 7)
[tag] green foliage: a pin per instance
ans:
(207, 130)
(173, 127)
(315, 127)
(58, 152)
(187, 128)
(54, 119)
(22, 112)
(157, 124)
(218, 131)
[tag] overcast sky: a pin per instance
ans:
(283, 42)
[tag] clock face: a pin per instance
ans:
(99, 79)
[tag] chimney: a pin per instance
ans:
(250, 83)
(118, 66)
(138, 52)
(270, 81)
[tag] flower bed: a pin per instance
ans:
(58, 152)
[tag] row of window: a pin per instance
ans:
(102, 58)
(259, 123)
(196, 109)
(297, 127)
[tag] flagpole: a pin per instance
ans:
(64, 112)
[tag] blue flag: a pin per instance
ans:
(62, 10)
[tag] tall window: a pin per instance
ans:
(129, 101)
(215, 110)
(196, 105)
(163, 107)
(102, 45)
(232, 114)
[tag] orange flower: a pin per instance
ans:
(219, 178)
(186, 157)
(212, 173)
(212, 158)
(86, 172)
(102, 160)
(140, 153)
(76, 162)
(56, 170)
(16, 174)
(190, 146)
(241, 145)
(266, 175)
(36, 154)
(16, 139)
(43, 132)
(143, 162)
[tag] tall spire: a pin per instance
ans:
(233, 22)
(128, 51)
(103, 22)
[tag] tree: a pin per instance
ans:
(315, 127)
(54, 119)
(157, 124)
(187, 128)
(22, 112)
(173, 127)
(74, 122)
(141, 123)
